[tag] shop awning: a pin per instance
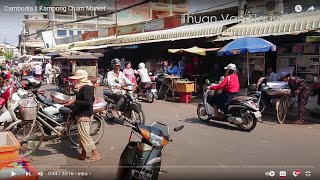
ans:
(183, 32)
(193, 50)
(313, 39)
(286, 24)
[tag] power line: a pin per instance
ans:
(90, 18)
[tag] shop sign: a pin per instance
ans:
(89, 35)
(154, 25)
(129, 29)
(111, 31)
(160, 7)
(179, 8)
(172, 22)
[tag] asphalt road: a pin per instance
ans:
(201, 150)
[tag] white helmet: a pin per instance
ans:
(142, 66)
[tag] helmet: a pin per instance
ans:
(142, 66)
(115, 61)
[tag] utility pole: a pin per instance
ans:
(116, 17)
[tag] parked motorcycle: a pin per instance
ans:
(242, 111)
(274, 95)
(132, 111)
(142, 160)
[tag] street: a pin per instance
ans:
(201, 150)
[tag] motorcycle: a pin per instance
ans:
(275, 95)
(131, 112)
(142, 160)
(242, 111)
(148, 90)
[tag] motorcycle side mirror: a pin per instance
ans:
(207, 82)
(178, 128)
(116, 81)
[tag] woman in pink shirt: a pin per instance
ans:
(230, 87)
(129, 72)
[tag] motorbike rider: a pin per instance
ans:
(300, 87)
(230, 87)
(144, 76)
(116, 80)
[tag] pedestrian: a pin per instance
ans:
(182, 66)
(38, 71)
(83, 112)
(129, 72)
(48, 72)
(272, 76)
(300, 87)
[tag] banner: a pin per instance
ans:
(48, 39)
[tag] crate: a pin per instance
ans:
(185, 87)
(185, 97)
(9, 148)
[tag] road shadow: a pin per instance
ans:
(212, 123)
(64, 147)
(269, 117)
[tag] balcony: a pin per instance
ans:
(63, 17)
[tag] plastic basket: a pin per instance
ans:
(185, 87)
(28, 109)
(9, 148)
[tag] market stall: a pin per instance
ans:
(247, 45)
(70, 62)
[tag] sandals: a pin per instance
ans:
(91, 160)
(298, 122)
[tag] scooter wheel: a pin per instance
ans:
(202, 114)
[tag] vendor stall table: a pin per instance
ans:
(170, 82)
(195, 76)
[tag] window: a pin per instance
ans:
(79, 32)
(61, 32)
(70, 32)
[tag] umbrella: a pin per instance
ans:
(193, 50)
(246, 45)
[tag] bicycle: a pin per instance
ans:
(30, 133)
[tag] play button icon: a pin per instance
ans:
(13, 173)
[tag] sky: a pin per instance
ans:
(11, 22)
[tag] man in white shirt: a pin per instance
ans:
(144, 76)
(116, 80)
(48, 72)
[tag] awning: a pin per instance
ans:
(183, 32)
(286, 24)
(313, 39)
(193, 50)
(34, 44)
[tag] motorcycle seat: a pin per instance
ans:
(108, 96)
(241, 99)
(98, 109)
(44, 100)
(64, 111)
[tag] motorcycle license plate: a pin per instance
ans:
(153, 90)
(257, 114)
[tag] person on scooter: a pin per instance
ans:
(230, 87)
(144, 76)
(116, 80)
(300, 87)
